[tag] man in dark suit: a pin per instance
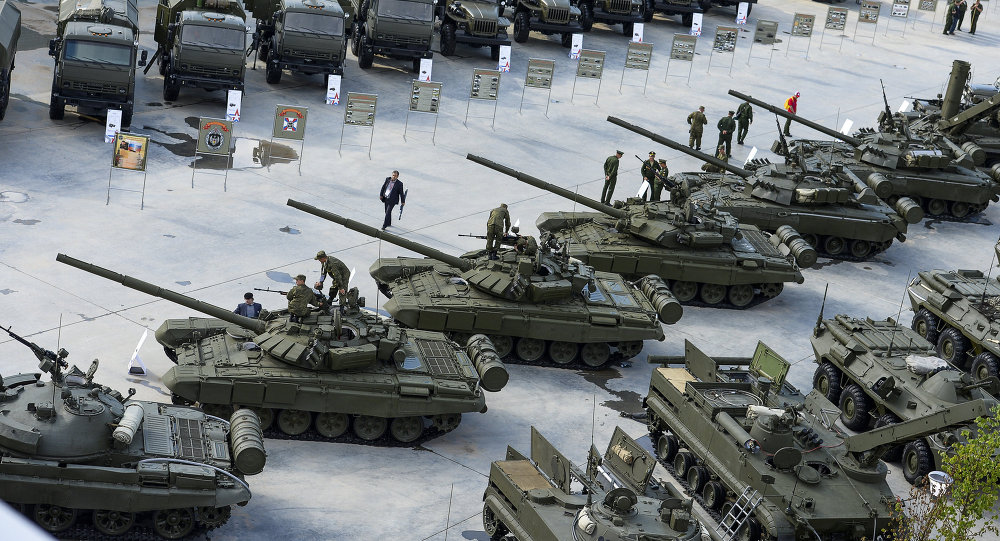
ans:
(391, 194)
(249, 308)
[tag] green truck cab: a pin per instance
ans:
(304, 36)
(546, 16)
(474, 22)
(95, 57)
(611, 12)
(10, 31)
(200, 43)
(392, 28)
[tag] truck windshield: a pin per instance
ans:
(213, 36)
(404, 9)
(106, 53)
(314, 23)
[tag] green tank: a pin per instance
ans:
(325, 374)
(705, 256)
(85, 462)
(768, 462)
(933, 171)
(880, 373)
(829, 206)
(536, 499)
(534, 302)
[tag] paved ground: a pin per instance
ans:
(215, 243)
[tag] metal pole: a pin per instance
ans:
(110, 171)
(434, 134)
(406, 124)
(467, 105)
(302, 152)
(573, 93)
(194, 167)
(598, 97)
(142, 199)
(523, 88)
(645, 82)
(340, 148)
(548, 100)
(371, 140)
(496, 102)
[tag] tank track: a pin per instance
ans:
(974, 210)
(845, 255)
(758, 298)
(385, 440)
(84, 530)
(546, 360)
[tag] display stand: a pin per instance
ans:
(836, 19)
(868, 13)
(425, 98)
(637, 57)
(360, 111)
(765, 34)
(539, 75)
(682, 49)
(900, 10)
(485, 87)
(215, 140)
(289, 123)
(129, 152)
(802, 27)
(590, 66)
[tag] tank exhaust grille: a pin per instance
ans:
(192, 443)
(156, 434)
(438, 354)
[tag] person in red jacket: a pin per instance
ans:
(791, 105)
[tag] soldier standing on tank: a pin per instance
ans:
(649, 169)
(659, 180)
(720, 153)
(610, 177)
(697, 121)
(960, 7)
(744, 117)
(337, 271)
(975, 10)
(299, 299)
(496, 229)
(726, 125)
(791, 105)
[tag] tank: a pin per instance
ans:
(703, 254)
(826, 206)
(535, 303)
(932, 170)
(85, 462)
(617, 499)
(766, 461)
(350, 376)
(879, 373)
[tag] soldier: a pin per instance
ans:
(960, 7)
(336, 270)
(526, 245)
(697, 121)
(744, 117)
(720, 153)
(649, 169)
(726, 127)
(976, 10)
(610, 177)
(299, 299)
(496, 229)
(659, 180)
(791, 105)
(949, 18)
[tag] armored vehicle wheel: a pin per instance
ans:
(331, 424)
(503, 344)
(917, 461)
(57, 109)
(586, 16)
(683, 460)
(712, 293)
(740, 295)
(960, 209)
(894, 453)
(926, 325)
(366, 56)
(446, 422)
(294, 422)
(627, 29)
(985, 365)
(751, 531)
(834, 245)
(173, 523)
(495, 51)
(213, 517)
(936, 207)
(566, 40)
(648, 10)
(492, 525)
(666, 447)
(563, 352)
(697, 477)
(860, 248)
(406, 429)
(629, 350)
(771, 290)
(684, 291)
(595, 354)
(827, 381)
(113, 522)
(952, 346)
(714, 494)
(266, 416)
(530, 350)
(369, 428)
(163, 64)
(272, 73)
(171, 89)
(854, 407)
(54, 519)
(521, 26)
(448, 38)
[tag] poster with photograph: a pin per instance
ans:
(130, 151)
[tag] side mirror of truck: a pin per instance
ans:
(53, 44)
(143, 57)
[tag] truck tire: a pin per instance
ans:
(355, 38)
(648, 9)
(586, 16)
(522, 25)
(164, 60)
(366, 55)
(627, 29)
(272, 73)
(917, 461)
(952, 346)
(567, 39)
(495, 52)
(705, 5)
(448, 38)
(687, 19)
(855, 406)
(57, 108)
(127, 116)
(4, 92)
(170, 90)
(416, 65)
(894, 453)
(926, 325)
(985, 365)
(826, 380)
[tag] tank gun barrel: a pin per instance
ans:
(255, 325)
(677, 146)
(853, 141)
(458, 262)
(538, 183)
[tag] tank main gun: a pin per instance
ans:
(677, 146)
(853, 141)
(228, 316)
(47, 360)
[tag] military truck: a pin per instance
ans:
(474, 22)
(201, 44)
(392, 28)
(302, 36)
(685, 8)
(10, 31)
(610, 12)
(95, 57)
(546, 16)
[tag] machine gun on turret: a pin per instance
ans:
(47, 360)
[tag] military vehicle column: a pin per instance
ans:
(302, 36)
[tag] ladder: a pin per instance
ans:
(739, 513)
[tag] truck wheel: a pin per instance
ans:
(366, 56)
(567, 39)
(894, 453)
(705, 5)
(57, 109)
(985, 365)
(586, 16)
(448, 38)
(163, 64)
(355, 38)
(952, 345)
(926, 325)
(687, 19)
(4, 92)
(854, 408)
(826, 380)
(171, 89)
(627, 29)
(917, 461)
(521, 26)
(416, 65)
(648, 8)
(495, 52)
(272, 73)
(127, 116)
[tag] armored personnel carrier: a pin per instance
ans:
(85, 462)
(703, 254)
(533, 303)
(932, 170)
(534, 498)
(881, 372)
(766, 460)
(829, 206)
(326, 372)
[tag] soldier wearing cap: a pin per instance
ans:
(659, 180)
(649, 169)
(726, 125)
(697, 122)
(336, 270)
(610, 177)
(497, 228)
(299, 298)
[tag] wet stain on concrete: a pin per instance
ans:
(183, 283)
(7, 291)
(154, 104)
(827, 263)
(149, 385)
(13, 197)
(281, 277)
(475, 536)
(170, 236)
(627, 402)
(266, 153)
(85, 317)
(290, 230)
(186, 145)
(26, 222)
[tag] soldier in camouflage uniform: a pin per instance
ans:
(726, 125)
(720, 153)
(610, 177)
(659, 180)
(496, 229)
(299, 298)
(744, 117)
(697, 121)
(649, 169)
(337, 271)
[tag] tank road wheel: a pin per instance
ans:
(740, 295)
(952, 345)
(917, 461)
(54, 519)
(827, 381)
(684, 291)
(811, 239)
(629, 350)
(266, 416)
(213, 517)
(960, 209)
(697, 477)
(446, 422)
(894, 453)
(936, 207)
(854, 407)
(712, 293)
(331, 424)
(294, 422)
(985, 365)
(563, 352)
(530, 350)
(714, 494)
(406, 429)
(666, 447)
(113, 522)
(834, 245)
(771, 290)
(492, 524)
(683, 460)
(586, 16)
(566, 40)
(522, 25)
(595, 354)
(926, 325)
(860, 248)
(173, 523)
(751, 531)
(369, 428)
(503, 344)
(448, 38)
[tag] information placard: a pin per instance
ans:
(289, 122)
(214, 136)
(426, 66)
(802, 24)
(576, 45)
(426, 97)
(868, 13)
(742, 11)
(927, 5)
(765, 32)
(591, 64)
(696, 19)
(333, 90)
(112, 125)
(836, 18)
(485, 84)
(683, 47)
(503, 64)
(540, 73)
(637, 30)
(639, 55)
(361, 108)
(725, 39)
(130, 151)
(900, 8)
(234, 104)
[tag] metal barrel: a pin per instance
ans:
(734, 429)
(228, 316)
(956, 84)
(493, 374)
(246, 439)
(853, 141)
(681, 147)
(463, 264)
(667, 306)
(539, 183)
